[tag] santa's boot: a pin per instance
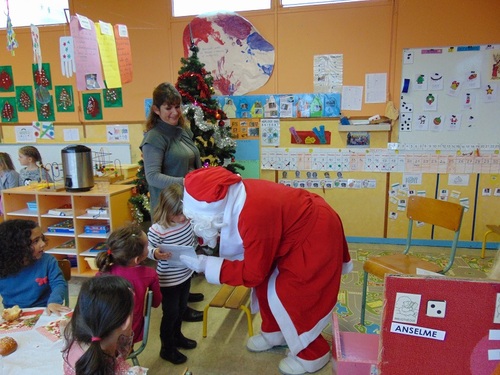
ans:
(265, 341)
(293, 365)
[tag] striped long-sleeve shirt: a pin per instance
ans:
(180, 234)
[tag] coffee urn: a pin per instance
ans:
(77, 168)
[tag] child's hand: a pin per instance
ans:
(162, 256)
(57, 309)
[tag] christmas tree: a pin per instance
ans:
(212, 131)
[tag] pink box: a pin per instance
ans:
(354, 353)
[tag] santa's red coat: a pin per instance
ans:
(293, 252)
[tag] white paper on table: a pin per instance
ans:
(177, 251)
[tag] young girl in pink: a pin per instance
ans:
(128, 248)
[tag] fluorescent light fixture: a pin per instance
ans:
(298, 3)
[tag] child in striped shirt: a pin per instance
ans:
(171, 227)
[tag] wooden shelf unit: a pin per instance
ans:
(16, 200)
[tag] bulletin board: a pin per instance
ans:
(449, 95)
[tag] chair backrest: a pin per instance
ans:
(65, 266)
(439, 213)
(147, 320)
(436, 212)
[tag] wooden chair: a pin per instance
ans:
(65, 266)
(145, 334)
(439, 213)
(491, 229)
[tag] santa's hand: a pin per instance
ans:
(197, 264)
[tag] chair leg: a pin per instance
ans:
(205, 320)
(363, 298)
(483, 250)
(135, 361)
(249, 320)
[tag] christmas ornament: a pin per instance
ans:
(92, 107)
(64, 99)
(42, 95)
(45, 111)
(25, 100)
(7, 111)
(5, 80)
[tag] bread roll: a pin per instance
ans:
(7, 345)
(11, 314)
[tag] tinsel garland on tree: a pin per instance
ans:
(140, 199)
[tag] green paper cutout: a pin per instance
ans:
(45, 76)
(65, 100)
(6, 79)
(92, 106)
(12, 102)
(112, 98)
(45, 112)
(25, 100)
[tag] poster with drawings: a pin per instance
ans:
(449, 95)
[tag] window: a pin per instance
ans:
(298, 3)
(194, 7)
(36, 12)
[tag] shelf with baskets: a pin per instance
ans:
(73, 226)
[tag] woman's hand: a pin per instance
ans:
(57, 309)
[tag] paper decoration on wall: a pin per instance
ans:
(112, 97)
(8, 108)
(43, 130)
(495, 69)
(233, 51)
(11, 35)
(6, 79)
(107, 51)
(124, 53)
(87, 61)
(65, 99)
(67, 56)
(42, 76)
(92, 106)
(24, 99)
(45, 111)
(37, 50)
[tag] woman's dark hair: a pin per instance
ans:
(124, 244)
(104, 304)
(164, 93)
(15, 245)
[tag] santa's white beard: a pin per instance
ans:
(207, 228)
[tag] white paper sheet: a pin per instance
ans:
(177, 251)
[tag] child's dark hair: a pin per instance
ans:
(104, 304)
(169, 205)
(164, 93)
(6, 162)
(15, 245)
(124, 244)
(31, 152)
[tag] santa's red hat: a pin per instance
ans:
(205, 190)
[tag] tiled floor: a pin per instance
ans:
(223, 352)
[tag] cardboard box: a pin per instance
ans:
(97, 228)
(354, 353)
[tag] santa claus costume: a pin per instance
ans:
(287, 244)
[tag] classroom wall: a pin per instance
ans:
(371, 36)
